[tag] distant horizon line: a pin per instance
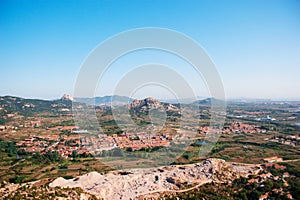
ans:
(169, 99)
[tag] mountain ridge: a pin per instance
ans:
(105, 100)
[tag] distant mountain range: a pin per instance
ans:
(117, 100)
(182, 100)
(208, 101)
(106, 100)
(18, 104)
(12, 106)
(26, 107)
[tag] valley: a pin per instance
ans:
(42, 141)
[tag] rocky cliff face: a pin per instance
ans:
(151, 103)
(145, 104)
(137, 183)
(67, 97)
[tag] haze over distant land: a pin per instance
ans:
(255, 45)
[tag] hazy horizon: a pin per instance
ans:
(159, 98)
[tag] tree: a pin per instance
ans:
(117, 152)
(74, 154)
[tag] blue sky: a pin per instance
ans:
(254, 44)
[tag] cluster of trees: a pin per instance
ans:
(65, 123)
(238, 190)
(75, 155)
(241, 189)
(47, 158)
(2, 121)
(220, 146)
(18, 179)
(254, 191)
(71, 142)
(156, 148)
(8, 147)
(115, 152)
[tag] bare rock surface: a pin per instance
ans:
(135, 183)
(151, 103)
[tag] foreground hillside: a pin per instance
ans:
(209, 179)
(146, 183)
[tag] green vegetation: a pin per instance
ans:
(240, 189)
(45, 192)
(20, 166)
(64, 123)
(9, 148)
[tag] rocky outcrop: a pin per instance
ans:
(145, 104)
(67, 97)
(138, 182)
(151, 103)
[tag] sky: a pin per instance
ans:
(255, 45)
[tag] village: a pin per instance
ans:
(293, 140)
(261, 179)
(127, 141)
(235, 127)
(83, 143)
(66, 139)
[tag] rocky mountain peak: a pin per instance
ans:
(152, 103)
(67, 97)
(145, 104)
